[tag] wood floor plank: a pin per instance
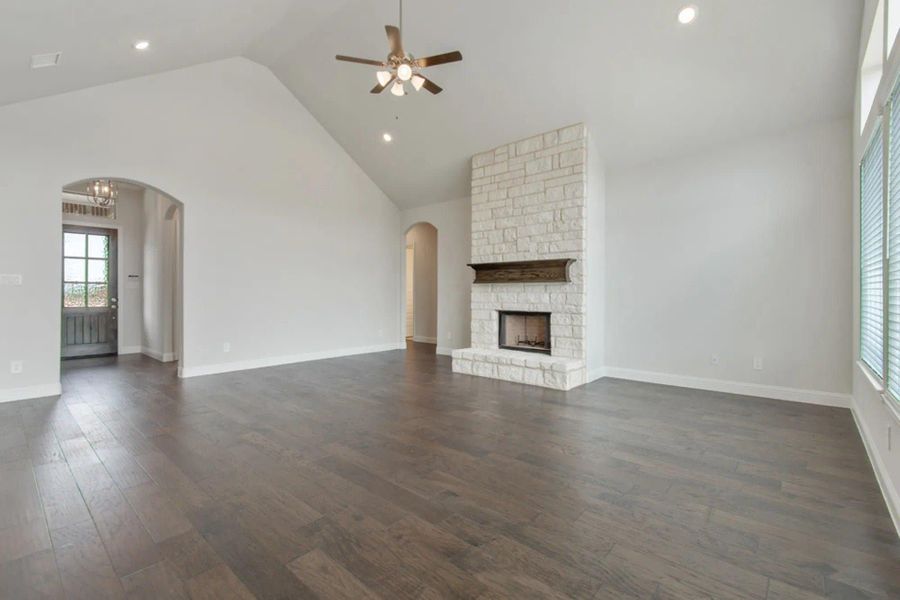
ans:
(218, 583)
(21, 540)
(156, 582)
(62, 500)
(159, 514)
(32, 577)
(328, 579)
(129, 545)
(84, 566)
(388, 476)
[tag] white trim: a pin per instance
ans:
(891, 405)
(595, 374)
(273, 361)
(160, 356)
(874, 379)
(27, 393)
(734, 387)
(424, 340)
(130, 349)
(882, 475)
(444, 350)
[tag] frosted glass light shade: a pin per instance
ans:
(383, 77)
(397, 89)
(418, 81)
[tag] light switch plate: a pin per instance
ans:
(10, 279)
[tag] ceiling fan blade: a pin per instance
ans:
(439, 59)
(394, 38)
(362, 61)
(431, 86)
(380, 88)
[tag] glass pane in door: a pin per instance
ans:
(98, 246)
(97, 271)
(98, 295)
(73, 269)
(73, 244)
(73, 295)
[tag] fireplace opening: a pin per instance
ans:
(526, 331)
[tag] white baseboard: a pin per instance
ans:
(445, 350)
(33, 391)
(130, 349)
(733, 387)
(160, 356)
(595, 374)
(882, 475)
(424, 340)
(274, 361)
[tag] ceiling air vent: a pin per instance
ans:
(41, 61)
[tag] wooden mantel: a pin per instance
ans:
(527, 271)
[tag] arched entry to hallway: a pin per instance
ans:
(420, 284)
(121, 285)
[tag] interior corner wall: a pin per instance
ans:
(454, 279)
(290, 250)
(595, 272)
(424, 239)
(735, 253)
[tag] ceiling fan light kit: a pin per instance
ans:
(401, 67)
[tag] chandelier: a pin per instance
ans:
(103, 192)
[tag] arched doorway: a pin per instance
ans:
(420, 279)
(121, 288)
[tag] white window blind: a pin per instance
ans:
(871, 290)
(893, 327)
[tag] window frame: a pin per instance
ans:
(880, 127)
(86, 259)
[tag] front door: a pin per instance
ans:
(89, 292)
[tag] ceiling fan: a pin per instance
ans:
(400, 66)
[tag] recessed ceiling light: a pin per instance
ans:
(141, 45)
(387, 137)
(688, 14)
(41, 61)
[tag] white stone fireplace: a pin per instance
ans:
(529, 203)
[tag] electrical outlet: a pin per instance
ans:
(226, 347)
(714, 359)
(16, 367)
(757, 363)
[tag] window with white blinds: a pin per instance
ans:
(893, 241)
(871, 291)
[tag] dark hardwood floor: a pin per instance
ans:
(387, 476)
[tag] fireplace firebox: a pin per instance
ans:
(526, 331)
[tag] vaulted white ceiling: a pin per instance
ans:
(646, 86)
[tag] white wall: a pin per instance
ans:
(595, 265)
(424, 239)
(129, 227)
(160, 256)
(872, 411)
(737, 252)
(289, 248)
(453, 222)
